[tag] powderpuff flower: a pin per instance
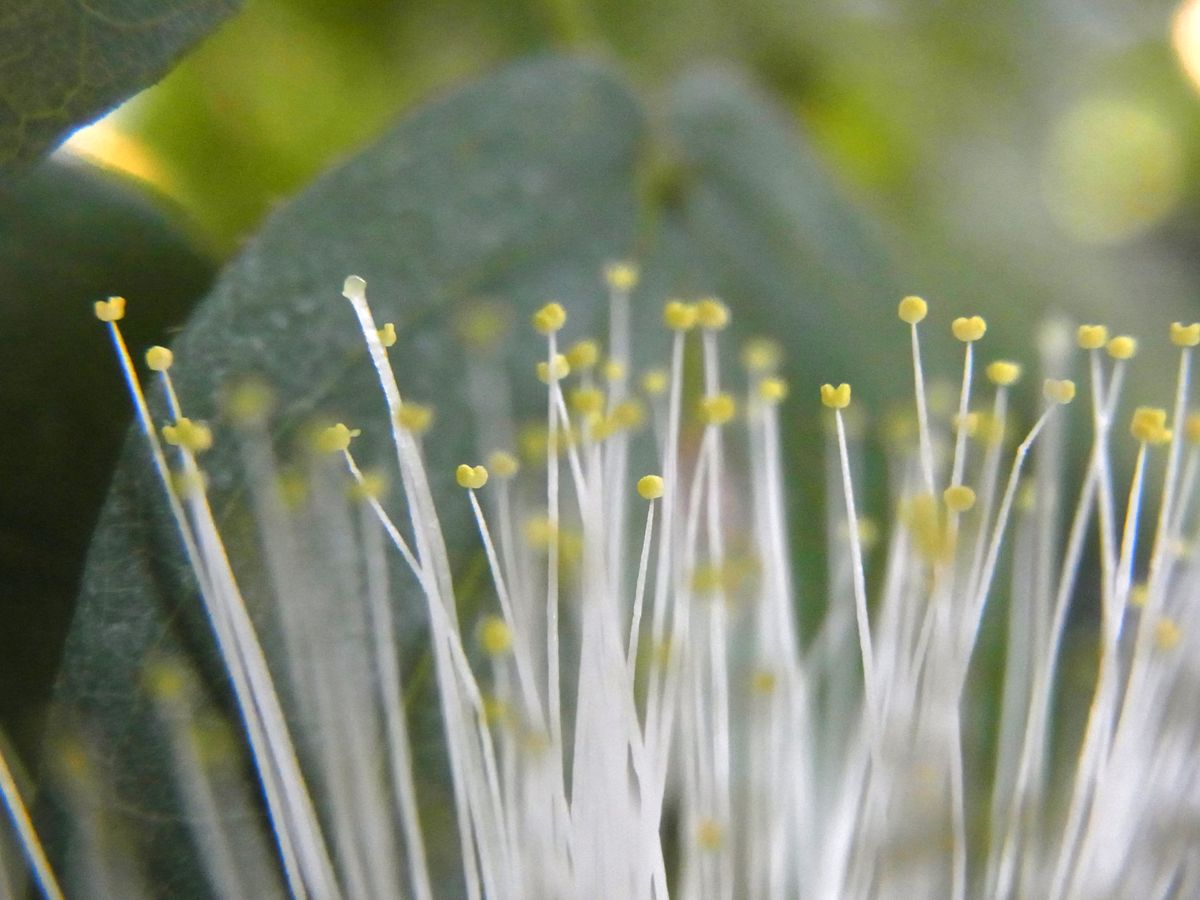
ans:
(638, 712)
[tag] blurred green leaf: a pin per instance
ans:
(68, 234)
(517, 189)
(63, 62)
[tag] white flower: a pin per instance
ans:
(639, 713)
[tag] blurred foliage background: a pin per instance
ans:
(1014, 157)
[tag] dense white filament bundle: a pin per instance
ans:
(641, 716)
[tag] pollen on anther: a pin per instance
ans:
(1149, 425)
(621, 276)
(761, 355)
(1061, 391)
(159, 359)
(471, 477)
(709, 835)
(503, 464)
(654, 382)
(1003, 373)
(650, 487)
(110, 310)
(712, 314)
(387, 334)
(968, 329)
(679, 316)
(583, 355)
(550, 318)
(1122, 347)
(959, 498)
(773, 390)
(373, 486)
(1185, 335)
(562, 369)
(1191, 428)
(912, 310)
(835, 397)
(335, 438)
(193, 436)
(1167, 634)
(1091, 337)
(718, 409)
(495, 637)
(248, 401)
(414, 417)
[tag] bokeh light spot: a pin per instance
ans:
(1112, 170)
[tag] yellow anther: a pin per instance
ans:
(503, 464)
(1167, 634)
(912, 310)
(717, 409)
(550, 318)
(387, 334)
(621, 276)
(354, 288)
(922, 515)
(249, 402)
(166, 679)
(496, 711)
(159, 359)
(959, 498)
(110, 310)
(1185, 335)
(1122, 347)
(968, 329)
(708, 578)
(1149, 425)
(868, 532)
(1191, 428)
(1002, 373)
(583, 355)
(628, 414)
(761, 355)
(483, 325)
(495, 637)
(471, 477)
(1027, 495)
(373, 486)
(654, 382)
(414, 417)
(1138, 594)
(968, 424)
(764, 682)
(599, 427)
(712, 314)
(562, 369)
(835, 397)
(193, 436)
(613, 370)
(189, 484)
(989, 430)
(773, 390)
(1057, 390)
(679, 316)
(709, 835)
(650, 487)
(1092, 337)
(540, 532)
(335, 438)
(587, 400)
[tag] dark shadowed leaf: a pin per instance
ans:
(64, 62)
(518, 189)
(68, 233)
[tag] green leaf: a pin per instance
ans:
(520, 189)
(67, 233)
(64, 62)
